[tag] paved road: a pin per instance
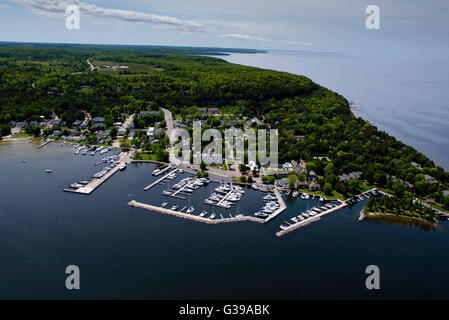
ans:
(92, 68)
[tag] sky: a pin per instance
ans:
(411, 27)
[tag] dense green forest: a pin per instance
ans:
(40, 79)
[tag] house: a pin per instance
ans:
(150, 131)
(415, 165)
(445, 193)
(312, 175)
(213, 111)
(86, 87)
(299, 137)
(158, 132)
(121, 131)
(283, 172)
(353, 175)
(76, 123)
(314, 186)
(98, 120)
(302, 184)
(34, 123)
(56, 133)
(429, 179)
(254, 121)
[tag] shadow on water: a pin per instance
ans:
(404, 221)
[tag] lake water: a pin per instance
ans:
(126, 252)
(408, 98)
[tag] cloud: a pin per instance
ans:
(243, 37)
(297, 43)
(58, 7)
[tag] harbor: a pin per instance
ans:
(100, 177)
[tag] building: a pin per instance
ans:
(314, 186)
(150, 131)
(98, 120)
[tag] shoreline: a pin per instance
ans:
(368, 215)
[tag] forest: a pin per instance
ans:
(40, 80)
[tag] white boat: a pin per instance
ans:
(202, 214)
(190, 210)
(321, 198)
(123, 166)
(212, 216)
(49, 170)
(303, 196)
(163, 205)
(208, 201)
(295, 194)
(155, 172)
(174, 207)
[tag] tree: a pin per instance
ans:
(398, 189)
(203, 165)
(250, 179)
(327, 189)
(242, 167)
(243, 179)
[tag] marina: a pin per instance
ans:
(198, 218)
(308, 219)
(99, 179)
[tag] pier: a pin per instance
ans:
(95, 183)
(162, 171)
(308, 221)
(160, 179)
(192, 217)
(282, 206)
(44, 143)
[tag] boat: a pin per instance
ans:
(300, 217)
(190, 210)
(163, 205)
(294, 219)
(202, 214)
(155, 172)
(295, 194)
(224, 205)
(261, 214)
(166, 193)
(49, 170)
(303, 196)
(123, 166)
(212, 216)
(208, 201)
(361, 198)
(76, 185)
(321, 198)
(174, 207)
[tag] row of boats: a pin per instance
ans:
(270, 207)
(83, 150)
(190, 184)
(358, 198)
(309, 214)
(189, 210)
(225, 196)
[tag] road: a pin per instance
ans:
(92, 68)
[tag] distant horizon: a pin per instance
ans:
(173, 46)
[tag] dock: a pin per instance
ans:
(282, 206)
(95, 183)
(160, 179)
(308, 221)
(162, 171)
(192, 217)
(45, 143)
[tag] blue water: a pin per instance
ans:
(408, 98)
(126, 252)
